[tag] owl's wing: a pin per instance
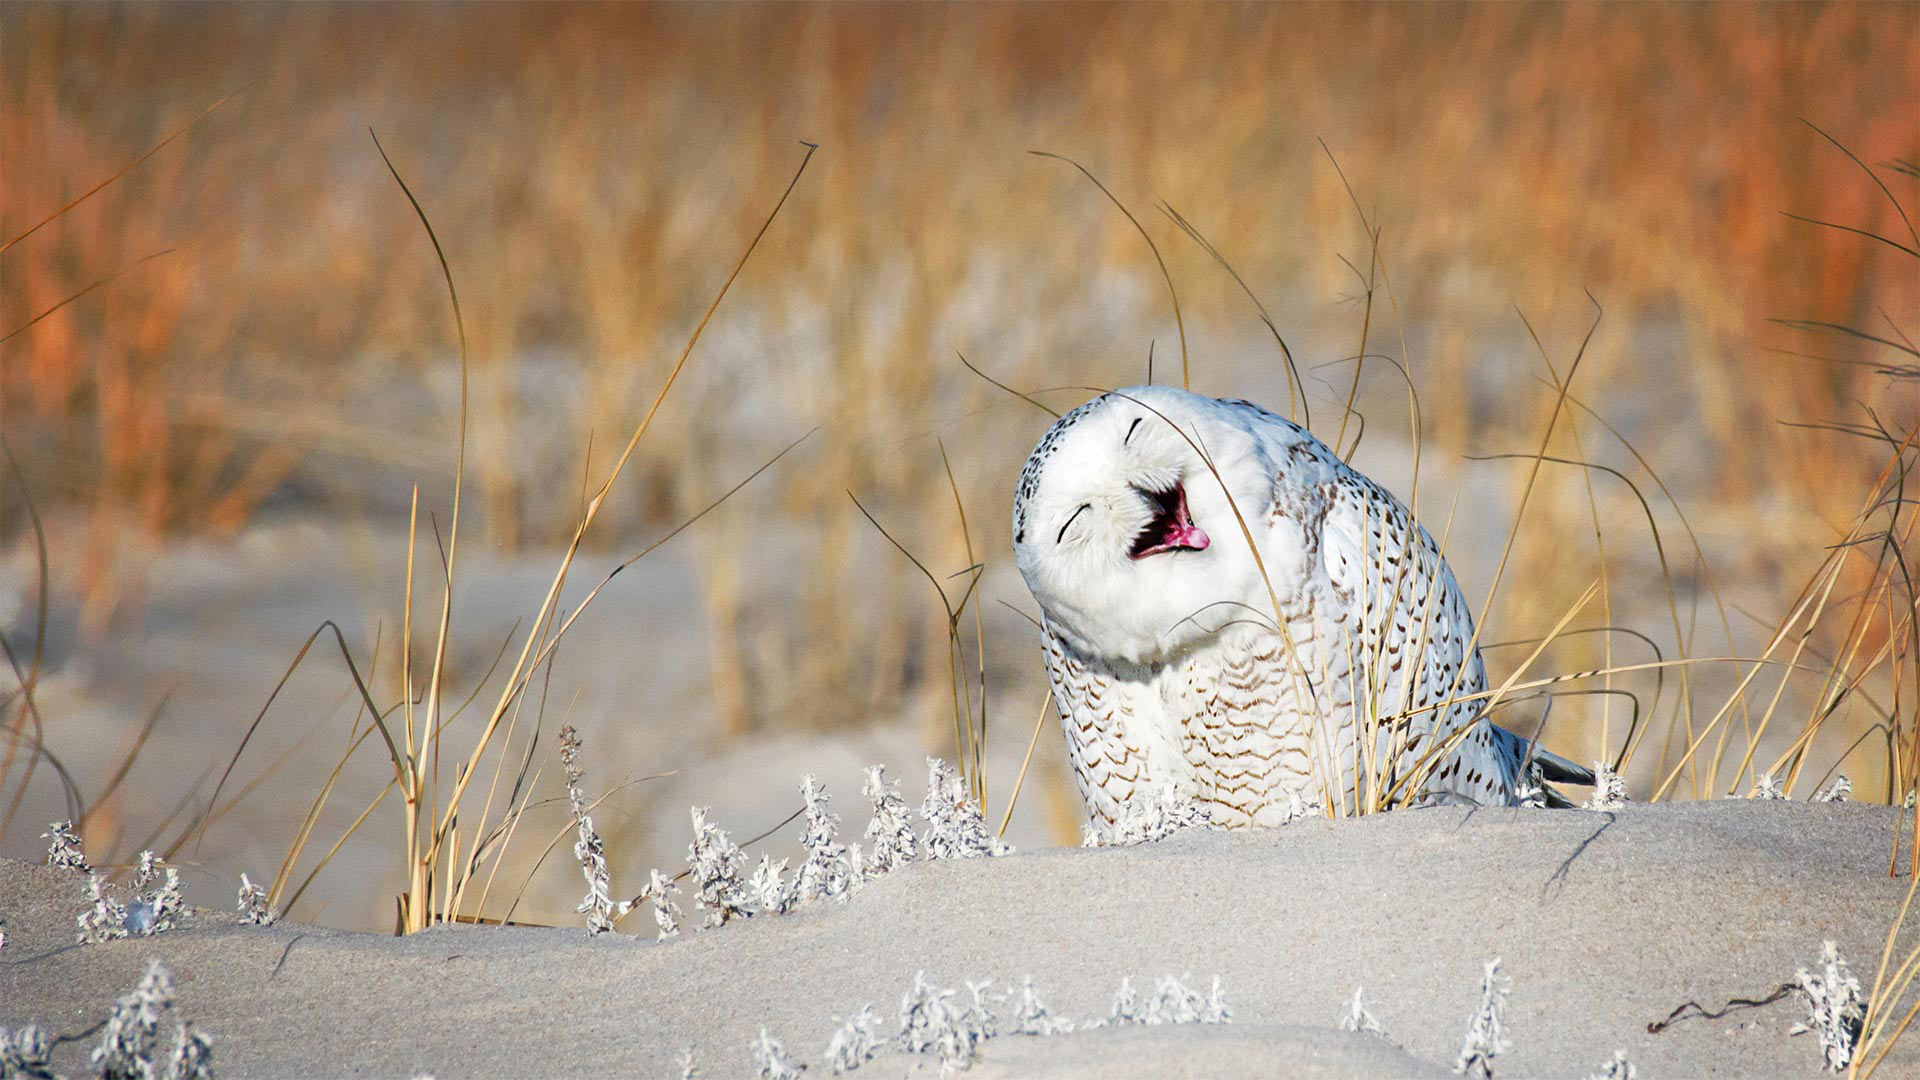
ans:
(1103, 714)
(1412, 635)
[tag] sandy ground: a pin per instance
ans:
(1604, 921)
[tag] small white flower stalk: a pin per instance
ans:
(770, 1059)
(1032, 1017)
(931, 1023)
(1359, 1018)
(599, 906)
(890, 832)
(716, 860)
(1835, 1008)
(1146, 820)
(926, 1012)
(192, 1055)
(685, 1063)
(26, 1053)
(1616, 1068)
(828, 871)
(774, 895)
(1839, 791)
(132, 1031)
(253, 904)
(855, 1042)
(666, 913)
(154, 912)
(1217, 1011)
(1767, 787)
(1609, 788)
(105, 918)
(1486, 1036)
(63, 848)
(955, 827)
(1173, 1002)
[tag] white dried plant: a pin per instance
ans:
(1173, 1002)
(192, 1055)
(132, 1030)
(1768, 787)
(1146, 820)
(105, 918)
(666, 913)
(63, 848)
(926, 1013)
(1032, 1017)
(890, 831)
(979, 1017)
(1359, 1018)
(684, 1061)
(26, 1053)
(253, 904)
(1530, 795)
(1217, 1010)
(1839, 791)
(955, 827)
(770, 1059)
(770, 891)
(1486, 1036)
(828, 871)
(931, 1023)
(1609, 788)
(1125, 1008)
(599, 906)
(715, 860)
(1835, 1008)
(159, 910)
(854, 1042)
(1616, 1068)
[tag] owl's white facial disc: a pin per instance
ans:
(1123, 532)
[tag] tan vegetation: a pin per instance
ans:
(593, 173)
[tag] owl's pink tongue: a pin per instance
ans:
(1186, 535)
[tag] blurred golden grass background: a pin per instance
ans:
(593, 170)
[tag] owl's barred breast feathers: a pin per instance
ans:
(1328, 665)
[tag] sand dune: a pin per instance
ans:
(1603, 921)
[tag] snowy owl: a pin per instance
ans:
(1229, 610)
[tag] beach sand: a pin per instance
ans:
(1603, 921)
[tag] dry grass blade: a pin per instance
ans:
(1029, 399)
(28, 711)
(962, 729)
(29, 324)
(1186, 376)
(1293, 371)
(1895, 244)
(130, 166)
(1020, 781)
(414, 786)
(1871, 175)
(979, 736)
(360, 685)
(126, 760)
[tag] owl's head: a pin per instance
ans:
(1123, 528)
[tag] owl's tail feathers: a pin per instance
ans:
(1555, 769)
(1546, 768)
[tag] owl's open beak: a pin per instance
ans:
(1172, 528)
